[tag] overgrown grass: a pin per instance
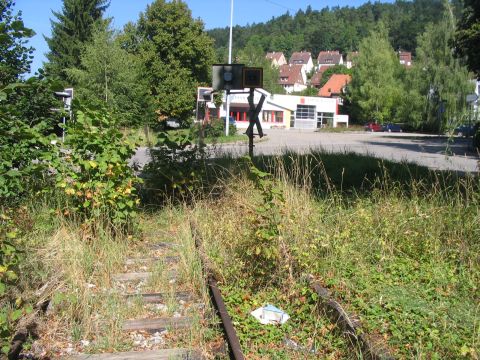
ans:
(397, 244)
(148, 137)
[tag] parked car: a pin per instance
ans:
(231, 120)
(464, 130)
(392, 128)
(373, 127)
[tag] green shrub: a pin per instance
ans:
(94, 172)
(215, 128)
(176, 165)
(11, 308)
(25, 151)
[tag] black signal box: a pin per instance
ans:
(227, 77)
(252, 77)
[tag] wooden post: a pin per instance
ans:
(251, 117)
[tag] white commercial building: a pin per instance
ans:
(283, 111)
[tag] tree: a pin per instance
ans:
(72, 30)
(467, 37)
(375, 86)
(110, 75)
(178, 56)
(15, 56)
(445, 80)
(253, 55)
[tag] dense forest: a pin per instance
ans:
(338, 28)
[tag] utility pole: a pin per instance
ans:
(227, 99)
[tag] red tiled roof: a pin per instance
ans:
(300, 58)
(329, 57)
(291, 74)
(334, 85)
(317, 77)
(405, 55)
(274, 55)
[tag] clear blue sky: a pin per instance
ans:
(214, 13)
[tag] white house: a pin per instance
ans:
(329, 58)
(302, 58)
(293, 78)
(277, 58)
(284, 111)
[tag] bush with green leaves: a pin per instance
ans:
(11, 307)
(215, 128)
(94, 171)
(26, 149)
(261, 250)
(176, 165)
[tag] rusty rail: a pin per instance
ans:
(234, 346)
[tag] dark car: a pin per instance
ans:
(392, 128)
(231, 120)
(373, 127)
(464, 130)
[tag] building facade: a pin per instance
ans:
(284, 111)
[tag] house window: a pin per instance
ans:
(273, 116)
(292, 119)
(306, 112)
(324, 119)
(279, 116)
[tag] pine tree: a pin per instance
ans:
(178, 56)
(15, 56)
(72, 30)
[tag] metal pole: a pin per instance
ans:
(63, 130)
(227, 116)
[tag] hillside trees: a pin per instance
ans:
(72, 29)
(253, 55)
(375, 87)
(178, 56)
(339, 28)
(467, 37)
(110, 75)
(15, 55)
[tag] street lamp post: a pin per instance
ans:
(227, 100)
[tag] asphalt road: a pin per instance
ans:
(426, 150)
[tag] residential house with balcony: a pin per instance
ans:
(303, 58)
(329, 58)
(293, 78)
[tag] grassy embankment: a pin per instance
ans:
(396, 244)
(88, 307)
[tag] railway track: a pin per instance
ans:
(157, 320)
